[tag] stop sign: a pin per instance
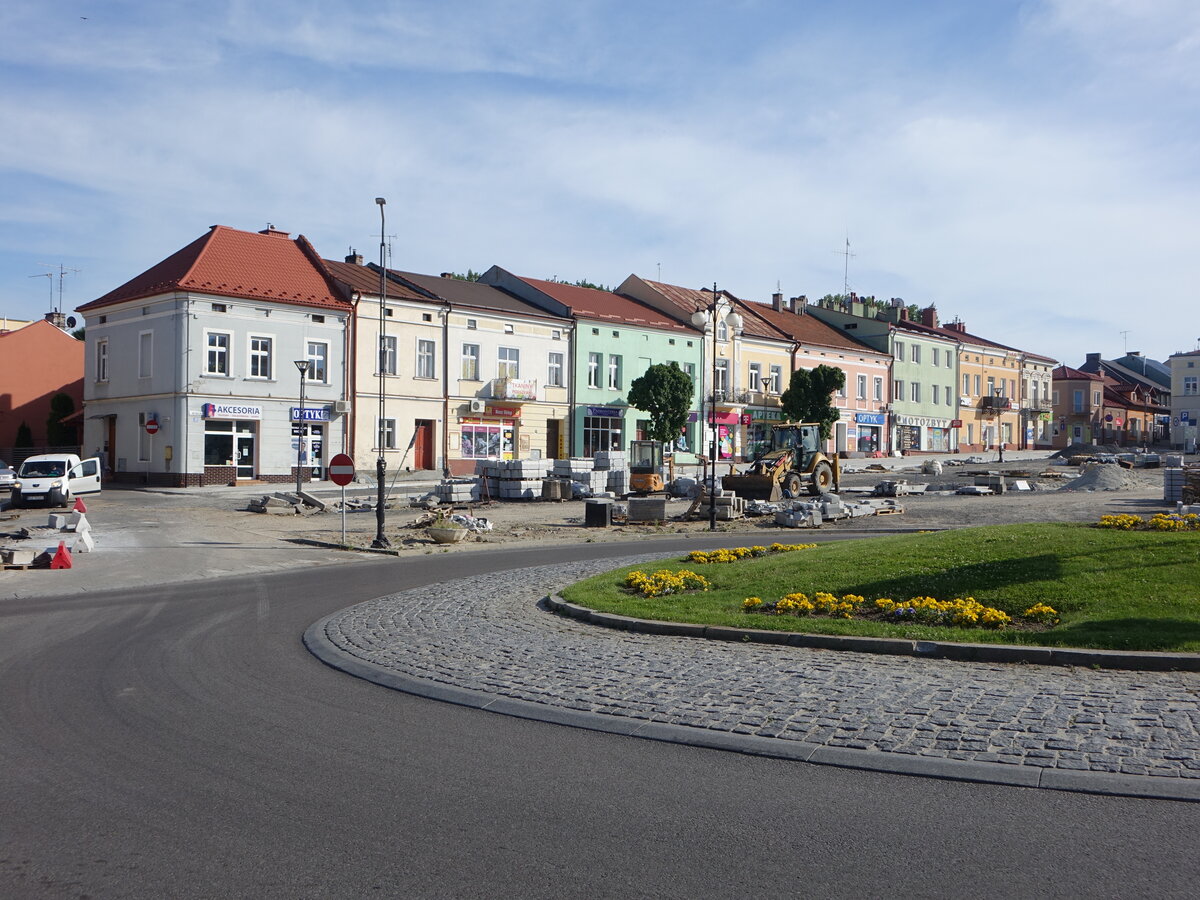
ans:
(151, 426)
(341, 469)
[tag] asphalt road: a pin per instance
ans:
(181, 742)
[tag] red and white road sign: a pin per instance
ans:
(152, 426)
(341, 469)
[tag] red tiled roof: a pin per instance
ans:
(810, 330)
(589, 303)
(1068, 374)
(232, 263)
(689, 300)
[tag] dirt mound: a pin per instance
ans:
(1100, 477)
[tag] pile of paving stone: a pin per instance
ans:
(288, 504)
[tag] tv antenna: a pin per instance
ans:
(1125, 341)
(63, 272)
(846, 271)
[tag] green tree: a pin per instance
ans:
(471, 275)
(58, 434)
(664, 392)
(807, 398)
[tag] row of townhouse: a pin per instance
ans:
(190, 376)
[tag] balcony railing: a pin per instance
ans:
(995, 404)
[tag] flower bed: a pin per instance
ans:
(728, 556)
(1157, 522)
(960, 612)
(664, 581)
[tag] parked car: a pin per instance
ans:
(55, 479)
(7, 476)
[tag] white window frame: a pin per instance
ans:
(933, 356)
(877, 388)
(145, 354)
(914, 389)
(776, 385)
(223, 353)
(469, 368)
(508, 362)
(254, 355)
(317, 354)
(426, 361)
(102, 359)
(1191, 385)
(614, 372)
(900, 351)
(721, 377)
(916, 354)
(949, 396)
(554, 370)
(862, 387)
(936, 397)
(898, 389)
(388, 355)
(388, 426)
(754, 378)
(594, 360)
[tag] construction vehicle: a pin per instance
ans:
(646, 468)
(793, 463)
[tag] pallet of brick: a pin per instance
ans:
(513, 489)
(523, 469)
(460, 491)
(573, 466)
(647, 509)
(618, 481)
(610, 459)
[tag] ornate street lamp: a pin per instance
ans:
(302, 431)
(701, 319)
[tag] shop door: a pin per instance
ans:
(243, 450)
(552, 439)
(423, 445)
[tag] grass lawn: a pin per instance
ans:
(1117, 590)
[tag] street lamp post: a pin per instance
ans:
(381, 540)
(708, 318)
(302, 431)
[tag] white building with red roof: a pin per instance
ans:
(190, 369)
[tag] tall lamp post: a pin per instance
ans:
(703, 318)
(381, 540)
(302, 431)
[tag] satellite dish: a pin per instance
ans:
(71, 321)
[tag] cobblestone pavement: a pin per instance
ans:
(487, 634)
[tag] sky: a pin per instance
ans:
(1027, 166)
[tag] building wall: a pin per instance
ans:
(159, 367)
(1185, 400)
(985, 426)
(37, 361)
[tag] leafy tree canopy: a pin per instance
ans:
(471, 275)
(808, 396)
(665, 392)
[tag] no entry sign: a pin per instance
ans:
(152, 426)
(341, 469)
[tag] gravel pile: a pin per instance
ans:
(1100, 478)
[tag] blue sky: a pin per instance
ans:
(1029, 167)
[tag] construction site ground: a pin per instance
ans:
(146, 535)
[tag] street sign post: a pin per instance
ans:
(151, 427)
(341, 473)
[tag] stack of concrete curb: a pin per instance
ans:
(287, 504)
(48, 538)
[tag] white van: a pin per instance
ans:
(55, 479)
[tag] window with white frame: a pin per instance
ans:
(916, 353)
(470, 362)
(949, 396)
(260, 356)
(934, 356)
(936, 397)
(145, 354)
(897, 390)
(976, 385)
(508, 362)
(426, 359)
(878, 388)
(776, 384)
(966, 384)
(754, 381)
(1191, 385)
(614, 373)
(721, 376)
(387, 354)
(216, 359)
(949, 359)
(102, 360)
(318, 362)
(862, 387)
(554, 370)
(385, 434)
(594, 370)
(915, 387)
(841, 391)
(900, 350)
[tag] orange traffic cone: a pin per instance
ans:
(79, 507)
(62, 557)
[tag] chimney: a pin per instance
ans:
(777, 301)
(929, 317)
(798, 304)
(903, 313)
(274, 232)
(1093, 360)
(354, 257)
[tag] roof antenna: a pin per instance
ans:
(63, 272)
(1125, 340)
(846, 273)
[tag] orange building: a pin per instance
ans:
(37, 362)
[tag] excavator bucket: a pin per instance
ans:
(753, 487)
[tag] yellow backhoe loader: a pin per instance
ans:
(793, 463)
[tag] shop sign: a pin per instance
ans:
(725, 418)
(310, 413)
(766, 415)
(520, 390)
(922, 421)
(504, 412)
(956, 423)
(230, 411)
(606, 412)
(870, 418)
